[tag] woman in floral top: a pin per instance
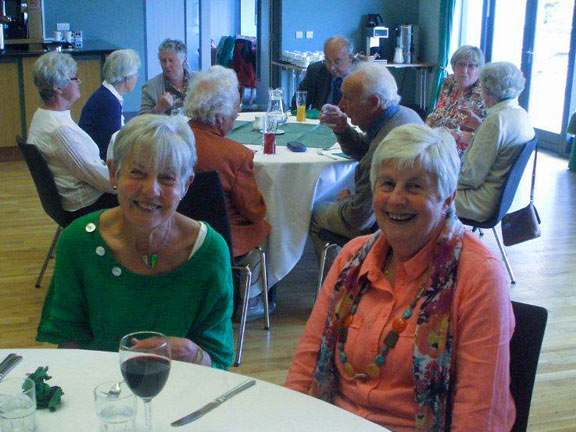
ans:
(460, 106)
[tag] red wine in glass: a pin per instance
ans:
(145, 365)
(146, 375)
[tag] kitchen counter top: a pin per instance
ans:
(94, 46)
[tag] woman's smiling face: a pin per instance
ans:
(408, 207)
(148, 197)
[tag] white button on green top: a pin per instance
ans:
(100, 251)
(116, 271)
(90, 227)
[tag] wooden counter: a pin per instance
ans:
(20, 97)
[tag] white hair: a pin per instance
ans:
(378, 81)
(165, 142)
(502, 80)
(343, 42)
(121, 64)
(175, 45)
(214, 91)
(468, 53)
(52, 71)
(434, 149)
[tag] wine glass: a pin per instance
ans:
(145, 365)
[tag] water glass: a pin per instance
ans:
(116, 407)
(269, 127)
(329, 115)
(301, 105)
(17, 405)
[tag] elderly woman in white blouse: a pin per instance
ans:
(73, 157)
(497, 142)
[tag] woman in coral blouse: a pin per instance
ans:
(413, 324)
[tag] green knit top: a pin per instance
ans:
(94, 300)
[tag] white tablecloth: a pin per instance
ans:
(291, 183)
(264, 407)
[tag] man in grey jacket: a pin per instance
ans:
(370, 99)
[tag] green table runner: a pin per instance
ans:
(312, 136)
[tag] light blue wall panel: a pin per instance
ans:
(120, 22)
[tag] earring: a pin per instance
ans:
(114, 187)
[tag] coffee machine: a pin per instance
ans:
(375, 35)
(407, 39)
(22, 21)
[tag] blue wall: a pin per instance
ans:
(120, 22)
(328, 17)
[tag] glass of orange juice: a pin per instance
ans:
(301, 105)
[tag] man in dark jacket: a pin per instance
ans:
(323, 79)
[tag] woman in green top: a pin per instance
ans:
(142, 266)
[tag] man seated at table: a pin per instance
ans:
(370, 99)
(212, 103)
(323, 80)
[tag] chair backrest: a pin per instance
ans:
(44, 181)
(205, 201)
(512, 182)
(524, 353)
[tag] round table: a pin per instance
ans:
(291, 183)
(263, 407)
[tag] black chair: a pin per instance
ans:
(508, 193)
(524, 353)
(205, 201)
(332, 240)
(48, 193)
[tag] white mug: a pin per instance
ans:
(57, 36)
(68, 36)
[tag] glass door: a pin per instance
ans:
(535, 35)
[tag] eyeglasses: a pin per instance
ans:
(338, 62)
(73, 78)
(462, 65)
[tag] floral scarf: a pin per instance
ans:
(433, 338)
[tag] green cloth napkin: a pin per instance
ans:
(313, 136)
(46, 396)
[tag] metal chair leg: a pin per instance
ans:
(322, 266)
(504, 256)
(49, 255)
(247, 280)
(264, 273)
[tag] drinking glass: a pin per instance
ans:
(269, 126)
(329, 115)
(301, 105)
(17, 405)
(145, 365)
(115, 407)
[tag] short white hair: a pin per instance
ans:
(344, 42)
(468, 53)
(52, 71)
(165, 142)
(214, 91)
(121, 64)
(502, 80)
(434, 149)
(377, 81)
(175, 45)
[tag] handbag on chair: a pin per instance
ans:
(524, 224)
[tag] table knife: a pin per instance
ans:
(8, 364)
(215, 403)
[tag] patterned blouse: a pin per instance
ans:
(447, 112)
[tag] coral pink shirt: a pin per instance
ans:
(482, 320)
